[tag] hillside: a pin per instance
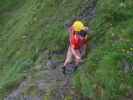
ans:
(28, 28)
(108, 71)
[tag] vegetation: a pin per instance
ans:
(107, 73)
(28, 27)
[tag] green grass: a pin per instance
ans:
(28, 27)
(103, 77)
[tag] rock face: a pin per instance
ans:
(44, 82)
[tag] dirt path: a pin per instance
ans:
(45, 82)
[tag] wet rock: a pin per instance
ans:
(51, 64)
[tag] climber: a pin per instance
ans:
(77, 44)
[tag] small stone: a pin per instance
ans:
(51, 64)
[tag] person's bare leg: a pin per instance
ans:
(77, 56)
(67, 60)
(77, 62)
(68, 57)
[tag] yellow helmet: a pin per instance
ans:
(78, 26)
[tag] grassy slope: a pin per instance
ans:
(27, 28)
(104, 77)
(34, 25)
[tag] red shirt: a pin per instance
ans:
(76, 41)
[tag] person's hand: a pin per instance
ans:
(86, 29)
(77, 56)
(76, 53)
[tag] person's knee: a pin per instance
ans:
(78, 60)
(68, 60)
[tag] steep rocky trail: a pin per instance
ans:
(45, 82)
(31, 31)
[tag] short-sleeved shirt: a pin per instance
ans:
(76, 40)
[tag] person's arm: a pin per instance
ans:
(70, 29)
(76, 53)
(86, 39)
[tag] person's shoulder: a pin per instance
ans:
(70, 29)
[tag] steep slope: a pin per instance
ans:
(108, 72)
(28, 28)
(45, 81)
(33, 26)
